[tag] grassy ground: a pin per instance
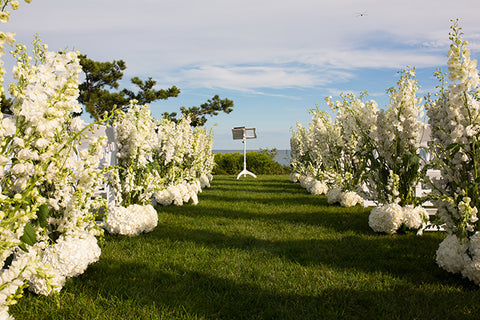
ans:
(262, 249)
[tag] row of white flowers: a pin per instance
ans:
(47, 224)
(51, 184)
(159, 162)
(455, 120)
(375, 154)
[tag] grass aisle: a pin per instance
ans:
(262, 249)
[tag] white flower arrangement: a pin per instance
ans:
(204, 181)
(72, 254)
(132, 220)
(318, 188)
(345, 199)
(389, 218)
(415, 218)
(334, 195)
(328, 151)
(457, 256)
(351, 199)
(450, 254)
(472, 259)
(164, 197)
(294, 177)
(68, 257)
(455, 121)
(173, 156)
(46, 282)
(48, 183)
(355, 120)
(454, 118)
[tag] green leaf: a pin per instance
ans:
(42, 215)
(29, 236)
(23, 247)
(454, 148)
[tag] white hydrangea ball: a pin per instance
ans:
(350, 199)
(163, 197)
(471, 268)
(131, 221)
(38, 285)
(177, 195)
(204, 181)
(334, 195)
(318, 188)
(414, 217)
(305, 182)
(72, 254)
(387, 218)
(294, 177)
(450, 254)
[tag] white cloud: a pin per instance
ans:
(249, 44)
(251, 77)
(372, 58)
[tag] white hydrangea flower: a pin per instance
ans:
(471, 268)
(387, 218)
(318, 188)
(71, 255)
(414, 217)
(334, 195)
(131, 221)
(40, 285)
(450, 254)
(204, 181)
(164, 197)
(351, 199)
(177, 195)
(294, 177)
(306, 181)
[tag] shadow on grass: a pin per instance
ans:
(307, 210)
(281, 202)
(121, 286)
(406, 256)
(203, 295)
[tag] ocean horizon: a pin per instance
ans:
(283, 156)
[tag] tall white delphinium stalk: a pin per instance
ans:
(356, 120)
(48, 185)
(137, 140)
(399, 130)
(455, 122)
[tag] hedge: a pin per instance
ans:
(258, 163)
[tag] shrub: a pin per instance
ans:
(258, 163)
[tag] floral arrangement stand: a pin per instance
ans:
(244, 134)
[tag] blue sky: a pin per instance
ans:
(274, 58)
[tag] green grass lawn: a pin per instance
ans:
(262, 249)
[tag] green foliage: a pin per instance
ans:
(101, 77)
(198, 114)
(29, 236)
(258, 163)
(6, 104)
